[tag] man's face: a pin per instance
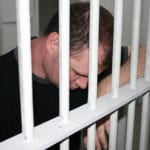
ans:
(78, 69)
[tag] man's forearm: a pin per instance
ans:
(105, 85)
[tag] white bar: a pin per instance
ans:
(93, 52)
(130, 126)
(147, 62)
(117, 46)
(144, 132)
(145, 104)
(118, 15)
(135, 42)
(79, 119)
(93, 66)
(133, 70)
(91, 137)
(64, 55)
(64, 145)
(113, 131)
(25, 71)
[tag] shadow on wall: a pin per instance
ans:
(46, 10)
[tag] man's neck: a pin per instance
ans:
(37, 46)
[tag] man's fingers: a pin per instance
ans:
(97, 143)
(85, 142)
(107, 125)
(101, 134)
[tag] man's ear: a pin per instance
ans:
(52, 42)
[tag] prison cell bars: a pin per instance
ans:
(64, 54)
(93, 67)
(133, 70)
(78, 118)
(144, 131)
(25, 71)
(118, 16)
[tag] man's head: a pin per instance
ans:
(79, 41)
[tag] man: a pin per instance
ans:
(105, 87)
(45, 66)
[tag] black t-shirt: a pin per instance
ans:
(45, 99)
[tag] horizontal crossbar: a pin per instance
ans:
(53, 131)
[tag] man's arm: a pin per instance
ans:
(105, 85)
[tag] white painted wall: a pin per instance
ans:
(1, 43)
(8, 23)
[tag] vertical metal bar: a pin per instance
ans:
(25, 69)
(145, 104)
(147, 60)
(113, 131)
(91, 137)
(64, 58)
(135, 42)
(133, 70)
(130, 126)
(144, 132)
(93, 66)
(64, 53)
(93, 52)
(118, 15)
(117, 46)
(65, 145)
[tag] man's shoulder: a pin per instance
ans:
(8, 63)
(8, 73)
(8, 58)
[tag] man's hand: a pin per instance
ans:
(104, 87)
(102, 132)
